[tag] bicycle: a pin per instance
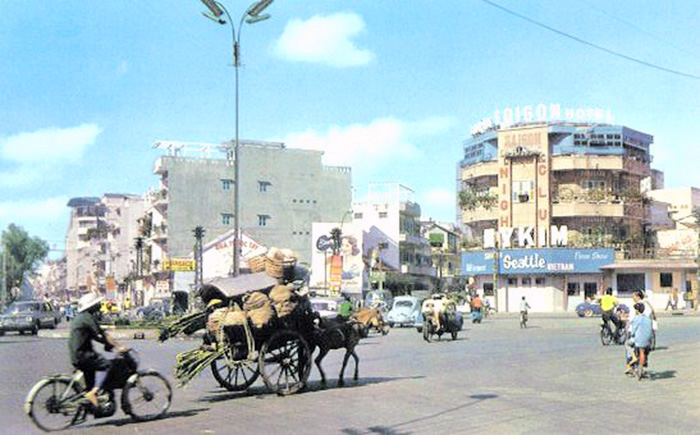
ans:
(57, 402)
(523, 319)
(607, 336)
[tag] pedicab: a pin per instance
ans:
(440, 316)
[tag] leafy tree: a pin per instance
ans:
(24, 253)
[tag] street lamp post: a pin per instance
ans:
(251, 16)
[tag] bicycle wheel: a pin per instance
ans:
(53, 403)
(606, 336)
(147, 397)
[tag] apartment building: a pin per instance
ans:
(547, 205)
(282, 192)
(99, 242)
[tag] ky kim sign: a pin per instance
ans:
(537, 261)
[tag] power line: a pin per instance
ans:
(641, 30)
(590, 44)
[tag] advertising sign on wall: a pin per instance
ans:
(537, 261)
(347, 266)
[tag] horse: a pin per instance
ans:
(370, 318)
(337, 334)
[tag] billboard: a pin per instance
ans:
(537, 261)
(342, 271)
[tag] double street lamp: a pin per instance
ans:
(252, 15)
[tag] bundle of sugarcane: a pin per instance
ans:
(190, 363)
(189, 324)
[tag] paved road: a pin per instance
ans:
(553, 377)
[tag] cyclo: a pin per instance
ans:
(440, 316)
(56, 402)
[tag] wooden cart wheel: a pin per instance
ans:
(235, 375)
(285, 362)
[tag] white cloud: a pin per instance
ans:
(324, 39)
(438, 198)
(380, 141)
(41, 209)
(57, 144)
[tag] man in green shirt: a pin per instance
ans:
(345, 307)
(84, 328)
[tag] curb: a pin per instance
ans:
(118, 334)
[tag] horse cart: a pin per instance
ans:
(240, 345)
(440, 316)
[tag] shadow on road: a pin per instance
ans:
(392, 430)
(660, 348)
(312, 387)
(128, 420)
(668, 374)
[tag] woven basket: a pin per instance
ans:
(277, 268)
(257, 264)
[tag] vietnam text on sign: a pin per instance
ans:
(537, 261)
(179, 265)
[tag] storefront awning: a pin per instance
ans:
(661, 264)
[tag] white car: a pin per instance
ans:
(326, 307)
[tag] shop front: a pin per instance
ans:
(551, 279)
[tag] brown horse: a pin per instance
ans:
(370, 318)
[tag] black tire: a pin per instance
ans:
(391, 324)
(53, 324)
(35, 329)
(147, 391)
(51, 406)
(286, 354)
(606, 336)
(454, 335)
(238, 377)
(2, 333)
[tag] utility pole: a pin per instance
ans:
(198, 276)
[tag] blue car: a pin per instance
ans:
(590, 309)
(405, 311)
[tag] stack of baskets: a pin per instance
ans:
(257, 263)
(279, 262)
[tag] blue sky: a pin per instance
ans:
(390, 88)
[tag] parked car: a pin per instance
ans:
(381, 299)
(406, 311)
(29, 316)
(590, 309)
(157, 309)
(327, 307)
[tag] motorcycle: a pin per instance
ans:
(57, 402)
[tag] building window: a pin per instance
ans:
(226, 183)
(512, 281)
(666, 279)
(488, 289)
(539, 281)
(523, 191)
(263, 186)
(595, 184)
(526, 281)
(226, 218)
(383, 214)
(357, 215)
(590, 289)
(262, 219)
(573, 289)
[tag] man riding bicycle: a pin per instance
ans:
(607, 304)
(84, 328)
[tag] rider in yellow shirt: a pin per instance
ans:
(608, 303)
